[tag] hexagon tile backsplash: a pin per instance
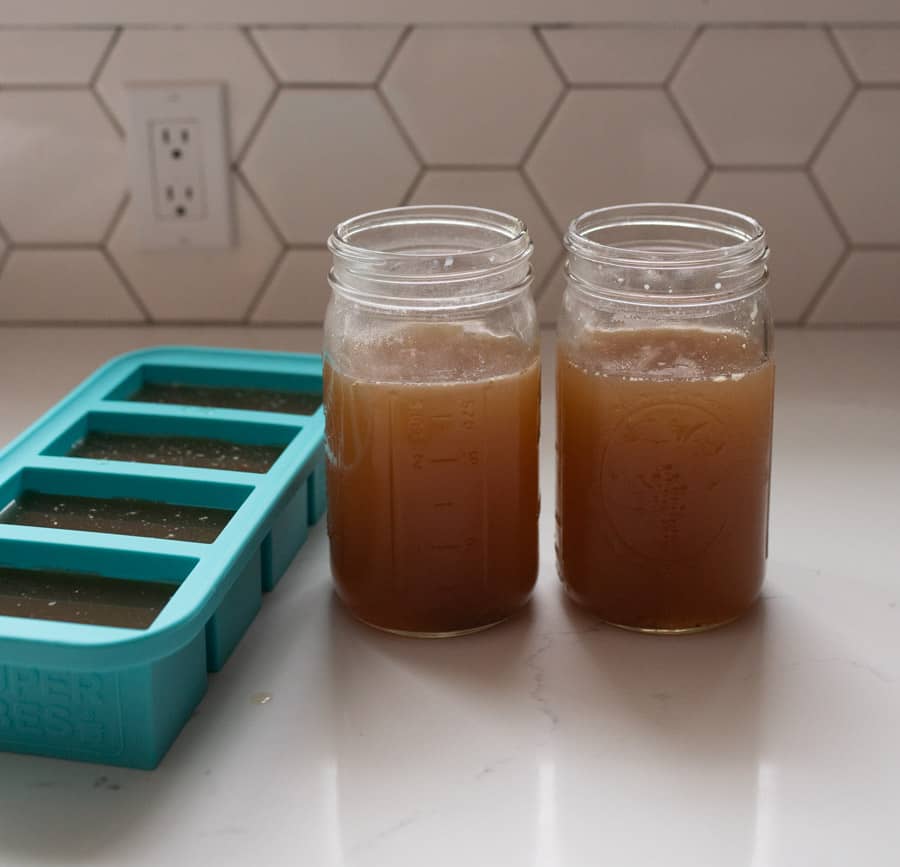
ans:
(799, 126)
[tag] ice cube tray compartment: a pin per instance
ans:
(224, 387)
(56, 498)
(120, 695)
(183, 436)
(58, 573)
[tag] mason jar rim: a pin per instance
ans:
(510, 230)
(431, 258)
(663, 255)
(742, 239)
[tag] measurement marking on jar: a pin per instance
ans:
(442, 460)
(444, 504)
(445, 547)
(446, 417)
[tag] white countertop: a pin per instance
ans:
(549, 740)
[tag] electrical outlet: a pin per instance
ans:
(178, 165)
(179, 190)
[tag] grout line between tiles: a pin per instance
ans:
(548, 24)
(822, 291)
(759, 167)
(126, 284)
(829, 207)
(264, 112)
(110, 114)
(13, 28)
(241, 180)
(250, 140)
(5, 253)
(877, 248)
(471, 167)
(765, 25)
(842, 55)
(615, 85)
(401, 129)
(392, 55)
(682, 56)
(842, 110)
(264, 285)
(352, 26)
(698, 187)
(688, 127)
(541, 203)
(43, 87)
(543, 126)
(54, 246)
(551, 57)
(669, 90)
(6, 245)
(104, 56)
(326, 85)
(95, 79)
(416, 183)
(116, 217)
(260, 53)
(76, 323)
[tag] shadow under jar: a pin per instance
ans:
(664, 406)
(432, 391)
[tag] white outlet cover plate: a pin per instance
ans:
(200, 103)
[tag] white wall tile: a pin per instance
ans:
(859, 167)
(499, 189)
(324, 155)
(617, 55)
(803, 241)
(471, 95)
(299, 290)
(51, 56)
(190, 55)
(873, 52)
(866, 289)
(472, 100)
(62, 167)
(605, 147)
(63, 286)
(213, 285)
(328, 55)
(761, 96)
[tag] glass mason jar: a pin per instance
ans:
(664, 407)
(432, 390)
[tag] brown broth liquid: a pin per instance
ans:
(664, 455)
(259, 399)
(433, 487)
(124, 516)
(75, 597)
(177, 451)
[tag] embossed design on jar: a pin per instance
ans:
(657, 503)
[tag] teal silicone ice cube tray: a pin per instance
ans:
(119, 695)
